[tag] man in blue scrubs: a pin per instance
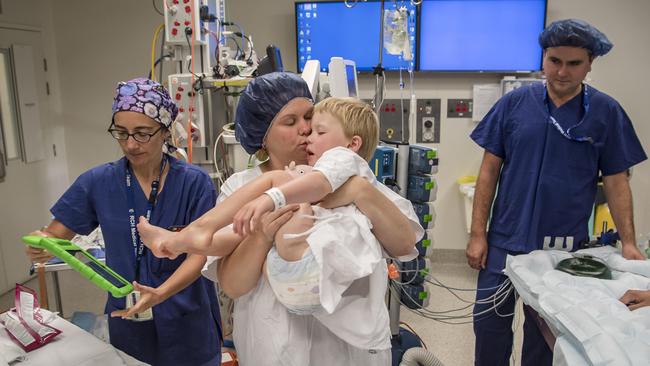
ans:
(545, 145)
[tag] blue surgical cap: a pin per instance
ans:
(575, 33)
(258, 105)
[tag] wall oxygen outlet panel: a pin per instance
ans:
(428, 121)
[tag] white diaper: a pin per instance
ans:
(295, 284)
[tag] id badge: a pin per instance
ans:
(131, 300)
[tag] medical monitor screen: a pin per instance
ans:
(351, 77)
(481, 35)
(328, 29)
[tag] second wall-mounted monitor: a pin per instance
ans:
(330, 29)
(481, 35)
(343, 78)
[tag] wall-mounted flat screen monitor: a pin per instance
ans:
(330, 29)
(481, 35)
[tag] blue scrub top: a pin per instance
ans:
(185, 329)
(548, 182)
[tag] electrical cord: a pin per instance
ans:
(158, 61)
(452, 292)
(153, 2)
(191, 104)
(197, 85)
(241, 30)
(215, 160)
(396, 292)
(383, 93)
(190, 62)
(500, 297)
(250, 45)
(458, 319)
(517, 320)
(497, 299)
(217, 38)
(153, 50)
(239, 50)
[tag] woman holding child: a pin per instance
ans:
(273, 119)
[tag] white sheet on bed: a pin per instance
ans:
(584, 313)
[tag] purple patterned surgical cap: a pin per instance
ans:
(147, 97)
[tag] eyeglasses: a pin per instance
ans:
(124, 135)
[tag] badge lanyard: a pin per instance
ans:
(554, 122)
(138, 245)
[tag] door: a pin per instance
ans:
(24, 191)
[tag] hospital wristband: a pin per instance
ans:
(277, 197)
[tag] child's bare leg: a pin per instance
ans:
(293, 249)
(161, 242)
(197, 236)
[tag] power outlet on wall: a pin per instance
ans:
(428, 129)
(428, 121)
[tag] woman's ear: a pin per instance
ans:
(355, 143)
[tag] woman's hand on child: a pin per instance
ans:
(249, 215)
(270, 222)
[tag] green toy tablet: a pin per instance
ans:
(92, 269)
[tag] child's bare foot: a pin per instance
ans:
(157, 239)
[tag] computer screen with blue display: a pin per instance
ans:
(327, 29)
(481, 35)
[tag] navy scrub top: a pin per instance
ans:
(548, 182)
(185, 329)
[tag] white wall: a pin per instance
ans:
(29, 189)
(622, 74)
(99, 43)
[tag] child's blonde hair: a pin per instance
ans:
(357, 118)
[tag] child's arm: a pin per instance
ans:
(331, 171)
(311, 187)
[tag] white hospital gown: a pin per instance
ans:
(345, 247)
(265, 333)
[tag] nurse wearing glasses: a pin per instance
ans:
(183, 326)
(545, 146)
